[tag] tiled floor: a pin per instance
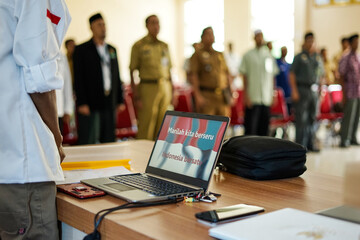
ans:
(332, 159)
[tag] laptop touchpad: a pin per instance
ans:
(119, 187)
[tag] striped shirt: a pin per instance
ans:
(349, 68)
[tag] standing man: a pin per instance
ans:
(233, 62)
(70, 48)
(305, 73)
(98, 87)
(258, 68)
(153, 95)
(210, 78)
(30, 139)
(349, 69)
(282, 79)
(329, 77)
(64, 96)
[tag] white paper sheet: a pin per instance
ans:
(74, 176)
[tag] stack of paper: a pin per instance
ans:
(288, 224)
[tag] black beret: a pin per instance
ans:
(95, 17)
(352, 37)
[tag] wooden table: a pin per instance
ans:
(311, 192)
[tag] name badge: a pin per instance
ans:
(164, 61)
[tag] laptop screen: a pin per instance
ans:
(188, 145)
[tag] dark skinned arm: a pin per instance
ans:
(45, 104)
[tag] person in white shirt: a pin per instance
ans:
(258, 68)
(64, 96)
(233, 61)
(30, 141)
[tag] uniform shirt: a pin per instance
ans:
(282, 79)
(349, 68)
(307, 69)
(152, 58)
(31, 32)
(328, 72)
(64, 96)
(260, 69)
(211, 68)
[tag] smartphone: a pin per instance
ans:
(229, 213)
(80, 190)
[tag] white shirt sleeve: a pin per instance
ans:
(41, 27)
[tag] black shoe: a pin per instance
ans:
(313, 149)
(354, 143)
(345, 144)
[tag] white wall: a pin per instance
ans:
(301, 23)
(125, 25)
(330, 23)
(237, 18)
(125, 22)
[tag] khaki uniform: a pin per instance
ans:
(152, 59)
(212, 72)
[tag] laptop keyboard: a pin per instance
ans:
(152, 185)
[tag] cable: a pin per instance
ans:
(95, 235)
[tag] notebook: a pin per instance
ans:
(181, 162)
(287, 224)
(347, 213)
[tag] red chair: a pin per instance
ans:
(278, 108)
(126, 124)
(69, 134)
(184, 99)
(330, 95)
(327, 105)
(336, 95)
(237, 110)
(279, 114)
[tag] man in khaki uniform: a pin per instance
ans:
(210, 78)
(153, 95)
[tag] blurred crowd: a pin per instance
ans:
(214, 77)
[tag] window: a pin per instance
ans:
(199, 14)
(276, 20)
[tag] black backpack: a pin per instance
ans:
(262, 158)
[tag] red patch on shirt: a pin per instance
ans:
(54, 19)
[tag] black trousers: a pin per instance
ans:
(61, 125)
(98, 127)
(257, 119)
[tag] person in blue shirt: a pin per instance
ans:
(282, 79)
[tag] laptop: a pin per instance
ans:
(181, 162)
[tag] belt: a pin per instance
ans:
(217, 91)
(151, 81)
(313, 87)
(107, 92)
(307, 85)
